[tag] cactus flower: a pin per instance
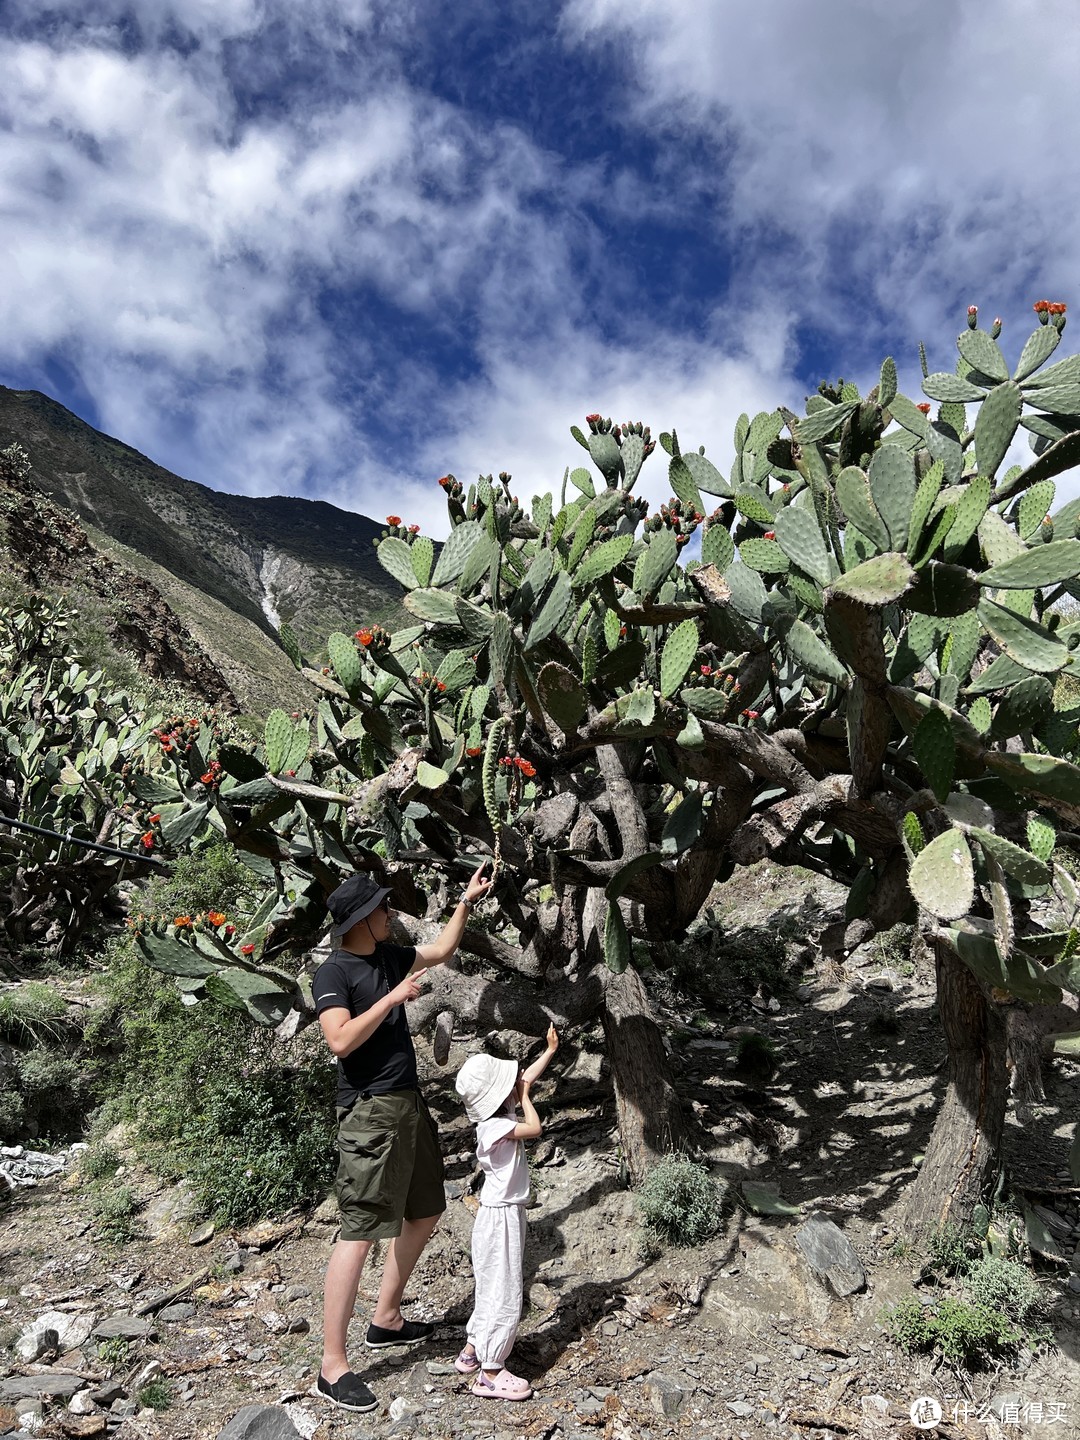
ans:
(705, 670)
(924, 406)
(770, 534)
(152, 819)
(247, 949)
(215, 917)
(182, 921)
(230, 929)
(148, 840)
(591, 419)
(365, 637)
(393, 519)
(474, 750)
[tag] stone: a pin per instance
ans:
(202, 1233)
(82, 1403)
(741, 1408)
(297, 1292)
(34, 1387)
(173, 1314)
(123, 1327)
(260, 1422)
(54, 1330)
(1074, 1284)
(107, 1392)
(169, 1216)
(829, 1254)
(666, 1393)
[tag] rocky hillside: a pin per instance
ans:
(234, 568)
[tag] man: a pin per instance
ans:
(390, 1171)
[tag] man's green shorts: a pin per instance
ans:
(389, 1165)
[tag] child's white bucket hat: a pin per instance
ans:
(484, 1082)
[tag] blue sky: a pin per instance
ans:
(337, 249)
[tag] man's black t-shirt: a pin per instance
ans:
(386, 1060)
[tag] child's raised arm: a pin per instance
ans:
(528, 1128)
(540, 1064)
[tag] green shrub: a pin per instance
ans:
(1004, 1285)
(209, 879)
(965, 1334)
(679, 1202)
(755, 1057)
(114, 1353)
(246, 1118)
(32, 1014)
(99, 1162)
(157, 1395)
(114, 1209)
(951, 1249)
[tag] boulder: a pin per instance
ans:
(828, 1252)
(260, 1422)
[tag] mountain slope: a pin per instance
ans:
(233, 567)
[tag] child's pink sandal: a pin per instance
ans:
(467, 1363)
(504, 1387)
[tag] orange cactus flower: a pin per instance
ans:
(770, 534)
(924, 406)
(365, 637)
(182, 921)
(393, 519)
(526, 769)
(215, 917)
(208, 778)
(474, 750)
(153, 819)
(148, 840)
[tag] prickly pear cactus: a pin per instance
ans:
(862, 659)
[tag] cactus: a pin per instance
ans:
(799, 534)
(878, 581)
(942, 876)
(562, 696)
(395, 557)
(875, 615)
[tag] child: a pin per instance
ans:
(491, 1090)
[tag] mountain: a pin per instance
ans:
(232, 568)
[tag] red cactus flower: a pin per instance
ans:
(393, 519)
(414, 529)
(230, 930)
(770, 534)
(591, 419)
(247, 949)
(153, 819)
(292, 773)
(705, 670)
(445, 481)
(208, 778)
(1057, 308)
(526, 769)
(365, 637)
(1040, 306)
(973, 309)
(474, 750)
(215, 917)
(924, 406)
(148, 840)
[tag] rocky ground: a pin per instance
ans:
(740, 1337)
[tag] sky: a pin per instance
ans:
(338, 249)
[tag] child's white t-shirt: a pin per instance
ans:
(502, 1159)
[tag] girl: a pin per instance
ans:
(492, 1089)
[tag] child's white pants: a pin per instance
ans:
(498, 1248)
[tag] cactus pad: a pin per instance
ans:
(942, 877)
(680, 648)
(998, 417)
(878, 581)
(934, 749)
(562, 697)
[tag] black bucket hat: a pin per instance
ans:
(354, 899)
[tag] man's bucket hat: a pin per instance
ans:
(484, 1082)
(354, 899)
